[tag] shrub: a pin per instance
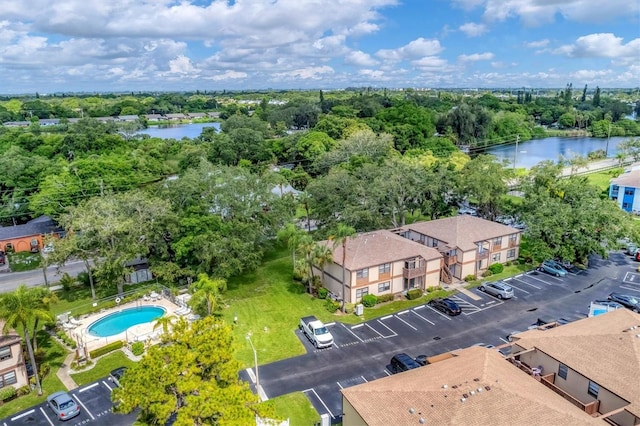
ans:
(83, 278)
(496, 268)
(433, 288)
(67, 282)
(470, 277)
(414, 293)
(137, 348)
(386, 298)
(113, 346)
(7, 393)
(487, 273)
(44, 370)
(24, 390)
(322, 293)
(369, 300)
(332, 306)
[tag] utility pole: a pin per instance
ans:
(606, 151)
(515, 154)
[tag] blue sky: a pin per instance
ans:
(98, 45)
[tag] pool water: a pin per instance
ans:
(120, 321)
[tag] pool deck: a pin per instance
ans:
(141, 332)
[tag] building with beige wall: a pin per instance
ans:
(474, 387)
(594, 363)
(380, 262)
(469, 244)
(13, 371)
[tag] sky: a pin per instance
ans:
(49, 46)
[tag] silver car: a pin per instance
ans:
(498, 289)
(63, 405)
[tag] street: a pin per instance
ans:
(9, 281)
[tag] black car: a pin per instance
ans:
(402, 362)
(446, 305)
(116, 375)
(626, 300)
(422, 359)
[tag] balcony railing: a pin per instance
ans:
(513, 243)
(450, 260)
(589, 408)
(418, 271)
(484, 254)
(497, 247)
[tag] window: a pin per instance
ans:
(384, 269)
(626, 206)
(410, 264)
(385, 286)
(562, 371)
(434, 243)
(5, 353)
(497, 241)
(629, 191)
(361, 292)
(9, 378)
(362, 273)
(422, 238)
(511, 254)
(496, 257)
(593, 389)
(513, 238)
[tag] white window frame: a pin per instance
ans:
(362, 273)
(361, 292)
(384, 268)
(385, 286)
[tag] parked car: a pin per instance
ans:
(498, 289)
(116, 375)
(631, 249)
(402, 362)
(568, 266)
(484, 345)
(552, 267)
(421, 359)
(626, 300)
(446, 305)
(63, 406)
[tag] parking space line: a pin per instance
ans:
(26, 413)
(415, 329)
(415, 313)
(387, 327)
(321, 402)
(504, 340)
(538, 279)
(89, 387)
(349, 330)
(629, 288)
(418, 307)
(463, 303)
(386, 372)
(439, 313)
(107, 385)
(517, 288)
(46, 417)
(524, 282)
(374, 330)
(339, 385)
(484, 309)
(365, 380)
(84, 406)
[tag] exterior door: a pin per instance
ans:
(627, 200)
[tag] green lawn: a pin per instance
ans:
(54, 356)
(24, 261)
(103, 367)
(297, 408)
(601, 179)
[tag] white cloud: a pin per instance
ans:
(228, 75)
(417, 48)
(476, 57)
(472, 29)
(306, 73)
(360, 59)
(601, 45)
(182, 65)
(537, 44)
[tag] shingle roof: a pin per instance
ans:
(462, 231)
(603, 348)
(502, 395)
(38, 226)
(379, 247)
(630, 179)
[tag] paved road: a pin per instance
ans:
(9, 281)
(362, 352)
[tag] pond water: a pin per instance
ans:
(532, 152)
(178, 131)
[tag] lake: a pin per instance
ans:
(178, 131)
(534, 151)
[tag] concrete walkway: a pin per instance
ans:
(63, 372)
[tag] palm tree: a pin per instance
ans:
(164, 322)
(207, 292)
(339, 238)
(43, 298)
(18, 309)
(292, 235)
(322, 255)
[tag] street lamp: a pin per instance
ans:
(255, 360)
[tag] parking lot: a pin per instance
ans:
(95, 408)
(484, 318)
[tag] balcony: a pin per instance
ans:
(513, 243)
(419, 271)
(484, 254)
(590, 408)
(496, 247)
(450, 260)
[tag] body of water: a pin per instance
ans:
(532, 152)
(120, 321)
(178, 131)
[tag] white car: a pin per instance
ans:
(48, 248)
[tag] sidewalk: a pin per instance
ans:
(460, 286)
(63, 372)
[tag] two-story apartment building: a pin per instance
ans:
(380, 262)
(624, 188)
(13, 371)
(594, 363)
(468, 244)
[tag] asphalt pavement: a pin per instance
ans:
(362, 352)
(9, 281)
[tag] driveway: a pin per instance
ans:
(362, 352)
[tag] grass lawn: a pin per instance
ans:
(297, 408)
(24, 261)
(103, 367)
(601, 179)
(54, 356)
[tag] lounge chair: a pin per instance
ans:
(154, 295)
(193, 317)
(74, 321)
(69, 326)
(146, 298)
(182, 311)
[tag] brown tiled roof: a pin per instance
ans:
(603, 348)
(631, 179)
(379, 247)
(502, 395)
(462, 231)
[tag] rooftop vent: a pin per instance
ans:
(488, 388)
(463, 399)
(444, 386)
(412, 410)
(465, 395)
(421, 421)
(476, 380)
(455, 386)
(479, 390)
(472, 393)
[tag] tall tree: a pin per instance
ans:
(207, 294)
(340, 238)
(584, 94)
(596, 98)
(18, 309)
(485, 179)
(194, 377)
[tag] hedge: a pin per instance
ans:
(7, 393)
(369, 300)
(414, 293)
(386, 297)
(322, 293)
(496, 268)
(332, 306)
(114, 346)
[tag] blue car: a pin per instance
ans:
(552, 267)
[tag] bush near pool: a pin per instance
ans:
(114, 346)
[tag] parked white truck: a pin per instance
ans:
(316, 332)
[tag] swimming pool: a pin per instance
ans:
(119, 321)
